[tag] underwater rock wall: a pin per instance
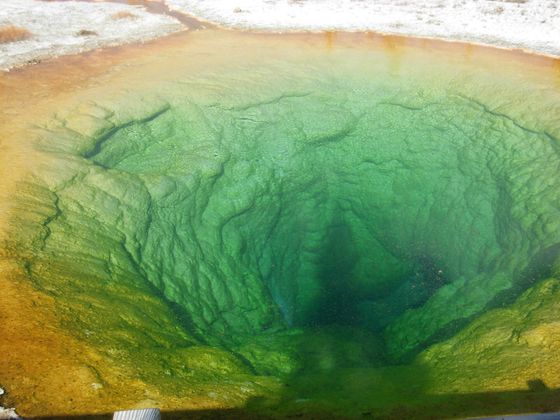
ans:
(248, 203)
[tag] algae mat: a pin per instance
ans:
(275, 225)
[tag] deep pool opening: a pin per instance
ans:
(336, 261)
(340, 304)
(344, 230)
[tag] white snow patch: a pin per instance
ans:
(55, 26)
(527, 24)
(8, 413)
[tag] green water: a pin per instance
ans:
(306, 216)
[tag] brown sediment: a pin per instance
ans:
(10, 33)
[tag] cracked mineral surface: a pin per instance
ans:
(297, 224)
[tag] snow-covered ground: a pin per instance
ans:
(7, 413)
(58, 28)
(528, 24)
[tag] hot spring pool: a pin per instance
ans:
(296, 225)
